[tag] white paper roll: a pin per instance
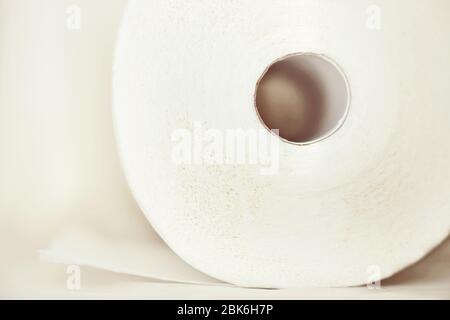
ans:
(371, 198)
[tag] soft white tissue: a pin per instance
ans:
(376, 193)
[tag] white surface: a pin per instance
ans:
(430, 279)
(374, 194)
(149, 259)
(59, 170)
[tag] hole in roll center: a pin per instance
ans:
(305, 96)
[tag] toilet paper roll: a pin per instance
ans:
(361, 199)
